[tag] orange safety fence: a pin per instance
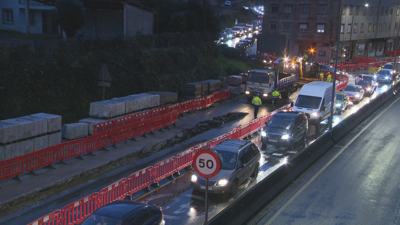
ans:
(199, 103)
(210, 100)
(218, 96)
(158, 111)
(53, 218)
(113, 192)
(139, 180)
(142, 116)
(70, 149)
(157, 122)
(96, 141)
(171, 118)
(186, 106)
(120, 134)
(163, 169)
(12, 167)
(38, 159)
(76, 212)
(103, 127)
(140, 128)
(183, 159)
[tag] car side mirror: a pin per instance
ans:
(266, 123)
(241, 166)
(323, 108)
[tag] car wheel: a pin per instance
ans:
(255, 173)
(263, 146)
(234, 187)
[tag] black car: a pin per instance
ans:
(285, 129)
(369, 89)
(126, 212)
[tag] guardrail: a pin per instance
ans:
(139, 180)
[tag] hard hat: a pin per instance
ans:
(258, 94)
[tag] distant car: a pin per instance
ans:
(355, 93)
(369, 89)
(285, 129)
(244, 27)
(395, 70)
(249, 40)
(327, 68)
(366, 77)
(341, 102)
(228, 3)
(126, 212)
(385, 76)
(242, 44)
(239, 161)
(238, 31)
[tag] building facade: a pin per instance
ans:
(366, 29)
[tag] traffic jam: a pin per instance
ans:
(202, 180)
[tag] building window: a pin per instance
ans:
(322, 9)
(287, 26)
(376, 11)
(370, 48)
(391, 11)
(369, 27)
(380, 27)
(351, 10)
(303, 27)
(382, 10)
(31, 17)
(396, 26)
(384, 27)
(371, 11)
(274, 26)
(364, 10)
(374, 28)
(288, 9)
(8, 17)
(357, 10)
(355, 27)
(342, 28)
(398, 12)
(320, 28)
(389, 26)
(304, 9)
(362, 28)
(274, 8)
(386, 10)
(344, 10)
(349, 28)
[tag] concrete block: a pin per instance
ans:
(54, 139)
(9, 132)
(103, 109)
(25, 128)
(2, 152)
(91, 122)
(75, 130)
(41, 142)
(26, 146)
(40, 124)
(54, 122)
(12, 150)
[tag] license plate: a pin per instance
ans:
(272, 140)
(204, 188)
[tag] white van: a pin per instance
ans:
(315, 101)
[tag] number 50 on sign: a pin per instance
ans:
(206, 163)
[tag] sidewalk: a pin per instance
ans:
(81, 175)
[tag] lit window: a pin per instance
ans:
(348, 28)
(320, 28)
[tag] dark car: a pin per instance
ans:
(385, 76)
(126, 212)
(285, 129)
(368, 87)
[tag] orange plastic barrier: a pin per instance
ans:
(199, 147)
(70, 149)
(157, 122)
(78, 211)
(38, 159)
(244, 131)
(217, 96)
(53, 218)
(103, 127)
(174, 107)
(183, 159)
(139, 180)
(210, 100)
(159, 111)
(163, 169)
(123, 121)
(233, 134)
(219, 139)
(96, 141)
(186, 106)
(142, 116)
(226, 94)
(12, 167)
(255, 125)
(113, 192)
(120, 134)
(171, 118)
(140, 128)
(199, 103)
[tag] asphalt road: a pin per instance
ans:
(354, 183)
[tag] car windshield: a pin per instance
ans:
(258, 78)
(367, 78)
(339, 97)
(388, 66)
(364, 83)
(281, 122)
(228, 160)
(310, 102)
(383, 72)
(351, 88)
(236, 29)
(95, 219)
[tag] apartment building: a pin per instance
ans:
(366, 29)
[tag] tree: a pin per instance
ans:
(70, 14)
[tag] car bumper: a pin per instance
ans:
(252, 94)
(211, 189)
(354, 99)
(276, 142)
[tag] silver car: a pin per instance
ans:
(239, 161)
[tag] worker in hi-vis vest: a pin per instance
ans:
(257, 103)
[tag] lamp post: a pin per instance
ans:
(352, 28)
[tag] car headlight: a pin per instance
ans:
(369, 89)
(338, 104)
(314, 114)
(194, 178)
(387, 78)
(223, 182)
(263, 133)
(357, 95)
(247, 92)
(285, 136)
(265, 95)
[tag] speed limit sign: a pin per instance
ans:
(206, 163)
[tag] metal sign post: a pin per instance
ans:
(207, 164)
(104, 79)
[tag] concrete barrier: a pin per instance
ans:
(266, 190)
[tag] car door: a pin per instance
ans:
(241, 165)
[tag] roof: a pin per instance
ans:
(284, 113)
(119, 209)
(103, 4)
(231, 145)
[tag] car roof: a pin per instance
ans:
(288, 113)
(119, 209)
(231, 145)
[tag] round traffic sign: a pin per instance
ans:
(206, 163)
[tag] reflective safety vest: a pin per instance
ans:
(256, 101)
(321, 76)
(329, 78)
(275, 94)
(332, 61)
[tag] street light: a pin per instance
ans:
(352, 28)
